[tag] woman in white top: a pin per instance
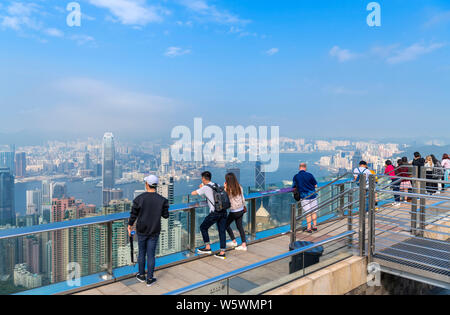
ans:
(430, 187)
(237, 210)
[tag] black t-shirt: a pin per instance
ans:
(148, 209)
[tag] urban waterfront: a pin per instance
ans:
(90, 193)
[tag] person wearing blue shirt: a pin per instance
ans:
(306, 185)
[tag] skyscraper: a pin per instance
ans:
(60, 239)
(260, 176)
(21, 164)
(7, 158)
(7, 211)
(170, 237)
(87, 162)
(165, 160)
(46, 203)
(356, 159)
(109, 162)
(59, 190)
(34, 202)
(236, 171)
(165, 188)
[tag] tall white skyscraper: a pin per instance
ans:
(34, 202)
(170, 237)
(108, 165)
(165, 160)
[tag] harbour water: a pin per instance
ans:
(91, 194)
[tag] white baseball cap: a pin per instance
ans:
(151, 180)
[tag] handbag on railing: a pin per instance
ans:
(296, 194)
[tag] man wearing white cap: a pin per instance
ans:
(148, 209)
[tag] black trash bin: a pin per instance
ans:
(307, 258)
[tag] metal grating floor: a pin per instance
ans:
(429, 255)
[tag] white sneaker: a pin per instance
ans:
(231, 244)
(240, 247)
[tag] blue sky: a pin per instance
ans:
(140, 67)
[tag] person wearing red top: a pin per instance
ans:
(403, 171)
(390, 171)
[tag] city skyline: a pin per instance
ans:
(230, 62)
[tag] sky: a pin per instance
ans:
(139, 68)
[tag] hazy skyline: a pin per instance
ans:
(140, 67)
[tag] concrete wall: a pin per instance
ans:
(395, 285)
(337, 279)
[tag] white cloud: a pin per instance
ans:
(413, 52)
(272, 51)
(176, 51)
(83, 39)
(54, 32)
(131, 12)
(19, 16)
(439, 18)
(211, 13)
(342, 55)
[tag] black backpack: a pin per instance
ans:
(221, 199)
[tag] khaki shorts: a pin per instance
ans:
(309, 205)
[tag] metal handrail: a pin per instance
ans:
(56, 226)
(417, 179)
(259, 264)
(326, 203)
(330, 184)
(405, 194)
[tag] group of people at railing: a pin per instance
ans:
(226, 204)
(434, 170)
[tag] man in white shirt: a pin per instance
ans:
(357, 172)
(362, 169)
(214, 217)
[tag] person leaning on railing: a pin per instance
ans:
(429, 165)
(237, 211)
(306, 185)
(438, 173)
(404, 171)
(390, 171)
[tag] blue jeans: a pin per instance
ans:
(147, 249)
(396, 187)
(221, 219)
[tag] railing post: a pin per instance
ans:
(293, 222)
(350, 218)
(362, 214)
(371, 220)
(109, 252)
(423, 192)
(192, 230)
(341, 200)
(253, 219)
(416, 187)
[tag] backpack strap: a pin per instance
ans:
(212, 203)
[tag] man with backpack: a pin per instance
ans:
(363, 170)
(218, 203)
